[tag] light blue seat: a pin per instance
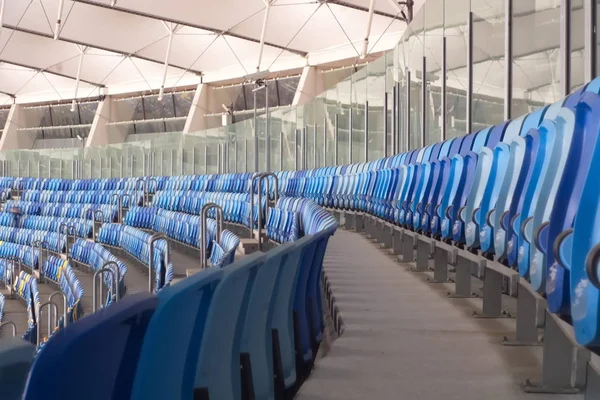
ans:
(565, 126)
(587, 130)
(218, 364)
(168, 358)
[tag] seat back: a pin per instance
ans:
(455, 146)
(467, 143)
(16, 357)
(168, 360)
(497, 134)
(257, 337)
(218, 368)
(494, 235)
(464, 180)
(446, 148)
(587, 131)
(480, 178)
(501, 154)
(565, 126)
(99, 354)
(547, 132)
(480, 140)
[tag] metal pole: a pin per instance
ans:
(335, 139)
(394, 119)
(565, 46)
(205, 159)
(590, 9)
(424, 104)
(314, 146)
(385, 123)
(235, 155)
(219, 158)
(122, 167)
(508, 59)
(255, 136)
(281, 151)
(194, 160)
(444, 89)
(246, 155)
(296, 150)
(267, 131)
(407, 112)
(350, 138)
(303, 133)
(366, 131)
(470, 75)
(324, 141)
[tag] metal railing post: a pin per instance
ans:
(255, 177)
(12, 324)
(121, 197)
(101, 273)
(219, 221)
(39, 319)
(151, 240)
(65, 304)
(147, 189)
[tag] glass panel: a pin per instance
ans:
(434, 33)
(488, 68)
(359, 97)
(376, 82)
(536, 67)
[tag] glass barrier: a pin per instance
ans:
(392, 104)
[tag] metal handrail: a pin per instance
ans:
(121, 197)
(256, 176)
(10, 323)
(275, 198)
(12, 259)
(70, 228)
(135, 187)
(151, 240)
(100, 272)
(39, 319)
(42, 245)
(65, 305)
(219, 221)
(93, 221)
(118, 202)
(96, 216)
(107, 264)
(147, 189)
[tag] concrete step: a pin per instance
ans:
(15, 311)
(247, 246)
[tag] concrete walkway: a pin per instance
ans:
(405, 339)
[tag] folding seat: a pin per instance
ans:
(546, 196)
(492, 185)
(455, 147)
(413, 176)
(480, 140)
(548, 137)
(462, 171)
(83, 347)
(432, 216)
(429, 176)
(218, 364)
(461, 229)
(562, 218)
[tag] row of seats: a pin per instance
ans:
(60, 271)
(107, 213)
(136, 243)
(56, 242)
(232, 183)
(282, 226)
(95, 256)
(185, 228)
(26, 287)
(522, 192)
(29, 256)
(80, 227)
(130, 197)
(248, 329)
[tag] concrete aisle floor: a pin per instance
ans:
(405, 339)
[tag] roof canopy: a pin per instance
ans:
(125, 45)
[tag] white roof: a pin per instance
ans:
(125, 45)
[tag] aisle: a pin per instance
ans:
(404, 339)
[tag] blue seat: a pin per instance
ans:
(168, 358)
(567, 199)
(107, 342)
(16, 357)
(218, 364)
(464, 171)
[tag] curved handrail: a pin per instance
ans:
(93, 221)
(65, 304)
(121, 197)
(39, 323)
(10, 323)
(258, 175)
(42, 245)
(118, 274)
(101, 219)
(147, 189)
(100, 272)
(151, 240)
(219, 220)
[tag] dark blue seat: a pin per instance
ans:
(467, 143)
(16, 357)
(497, 134)
(168, 361)
(98, 356)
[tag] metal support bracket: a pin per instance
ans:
(495, 275)
(465, 266)
(531, 312)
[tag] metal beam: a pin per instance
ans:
(84, 44)
(3, 61)
(11, 95)
(508, 59)
(359, 8)
(590, 40)
(565, 46)
(178, 22)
